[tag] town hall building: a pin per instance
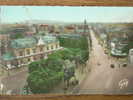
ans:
(26, 50)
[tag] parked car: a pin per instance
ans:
(112, 65)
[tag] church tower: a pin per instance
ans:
(85, 26)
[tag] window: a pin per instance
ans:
(21, 53)
(28, 59)
(28, 51)
(47, 48)
(34, 50)
(41, 49)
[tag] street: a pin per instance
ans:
(103, 78)
(15, 81)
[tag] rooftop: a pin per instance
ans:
(23, 43)
(8, 56)
(31, 41)
(27, 43)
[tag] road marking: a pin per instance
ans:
(123, 83)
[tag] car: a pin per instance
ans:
(124, 65)
(112, 66)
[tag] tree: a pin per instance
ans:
(44, 76)
(74, 42)
(77, 48)
(47, 73)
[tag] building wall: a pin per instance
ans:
(27, 55)
(131, 56)
(5, 40)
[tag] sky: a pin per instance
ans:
(13, 14)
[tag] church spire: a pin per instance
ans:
(85, 22)
(85, 26)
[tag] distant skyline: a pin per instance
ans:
(14, 14)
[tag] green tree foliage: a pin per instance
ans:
(77, 47)
(64, 54)
(45, 74)
(74, 42)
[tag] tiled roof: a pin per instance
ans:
(23, 43)
(31, 41)
(27, 43)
